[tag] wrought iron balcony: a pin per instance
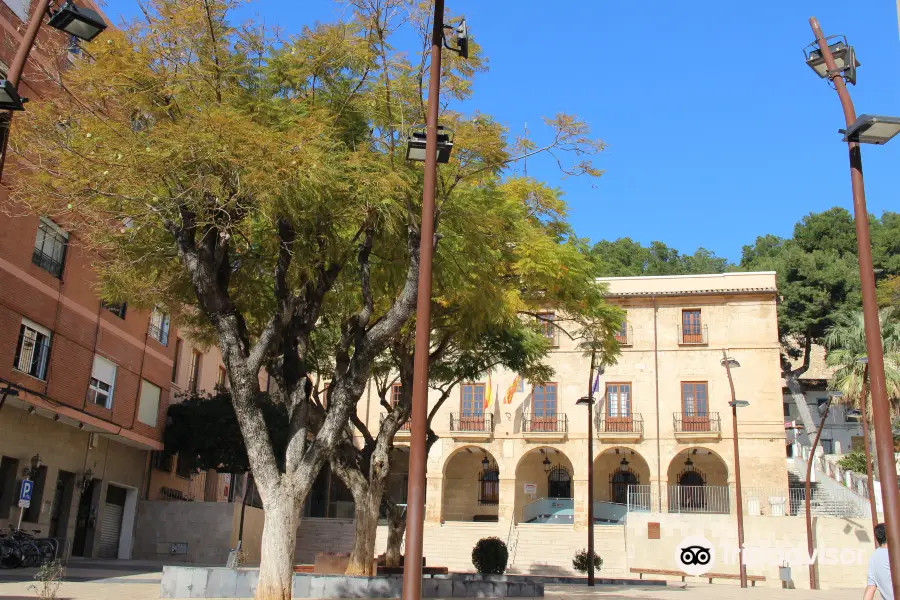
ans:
(697, 425)
(625, 336)
(545, 426)
(693, 336)
(469, 423)
(629, 427)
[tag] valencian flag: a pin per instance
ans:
(489, 396)
(512, 390)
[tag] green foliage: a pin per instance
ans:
(817, 270)
(580, 562)
(489, 556)
(855, 461)
(845, 341)
(889, 292)
(203, 431)
(626, 258)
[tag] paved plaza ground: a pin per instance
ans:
(134, 580)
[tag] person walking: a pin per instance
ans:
(879, 577)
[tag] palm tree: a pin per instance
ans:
(846, 345)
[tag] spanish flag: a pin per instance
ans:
(512, 390)
(489, 395)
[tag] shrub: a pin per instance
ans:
(49, 578)
(580, 562)
(490, 555)
(855, 461)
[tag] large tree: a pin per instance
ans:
(818, 279)
(846, 344)
(625, 257)
(262, 186)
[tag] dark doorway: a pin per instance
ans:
(85, 520)
(559, 483)
(9, 491)
(691, 495)
(62, 504)
(618, 485)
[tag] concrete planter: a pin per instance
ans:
(220, 582)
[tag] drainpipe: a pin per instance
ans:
(656, 377)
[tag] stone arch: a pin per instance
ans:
(698, 482)
(615, 469)
(550, 471)
(471, 485)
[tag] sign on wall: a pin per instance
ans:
(531, 489)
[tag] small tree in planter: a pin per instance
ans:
(580, 562)
(490, 555)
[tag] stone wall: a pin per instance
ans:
(840, 540)
(206, 527)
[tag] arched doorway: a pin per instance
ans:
(619, 482)
(471, 486)
(698, 482)
(544, 487)
(559, 482)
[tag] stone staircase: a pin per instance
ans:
(822, 503)
(544, 549)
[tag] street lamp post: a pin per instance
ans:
(870, 130)
(82, 23)
(589, 402)
(728, 362)
(415, 519)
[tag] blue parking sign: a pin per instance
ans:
(25, 493)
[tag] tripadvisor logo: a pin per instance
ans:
(695, 555)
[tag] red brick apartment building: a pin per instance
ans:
(84, 386)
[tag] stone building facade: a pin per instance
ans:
(662, 423)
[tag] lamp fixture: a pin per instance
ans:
(31, 410)
(485, 463)
(623, 463)
(731, 362)
(546, 463)
(31, 471)
(9, 97)
(416, 144)
(738, 403)
(86, 480)
(688, 464)
(844, 59)
(872, 129)
(584, 401)
(83, 23)
(462, 39)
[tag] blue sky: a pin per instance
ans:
(717, 130)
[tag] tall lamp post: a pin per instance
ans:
(873, 130)
(729, 362)
(435, 149)
(83, 23)
(589, 402)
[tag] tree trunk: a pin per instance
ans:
(279, 540)
(796, 390)
(396, 530)
(366, 514)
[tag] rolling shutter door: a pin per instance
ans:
(110, 529)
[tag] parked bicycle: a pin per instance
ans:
(20, 548)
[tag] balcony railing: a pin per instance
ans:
(404, 429)
(47, 263)
(483, 423)
(694, 335)
(633, 423)
(697, 423)
(532, 423)
(625, 336)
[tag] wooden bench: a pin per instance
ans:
(708, 576)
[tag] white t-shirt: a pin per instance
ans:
(880, 573)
